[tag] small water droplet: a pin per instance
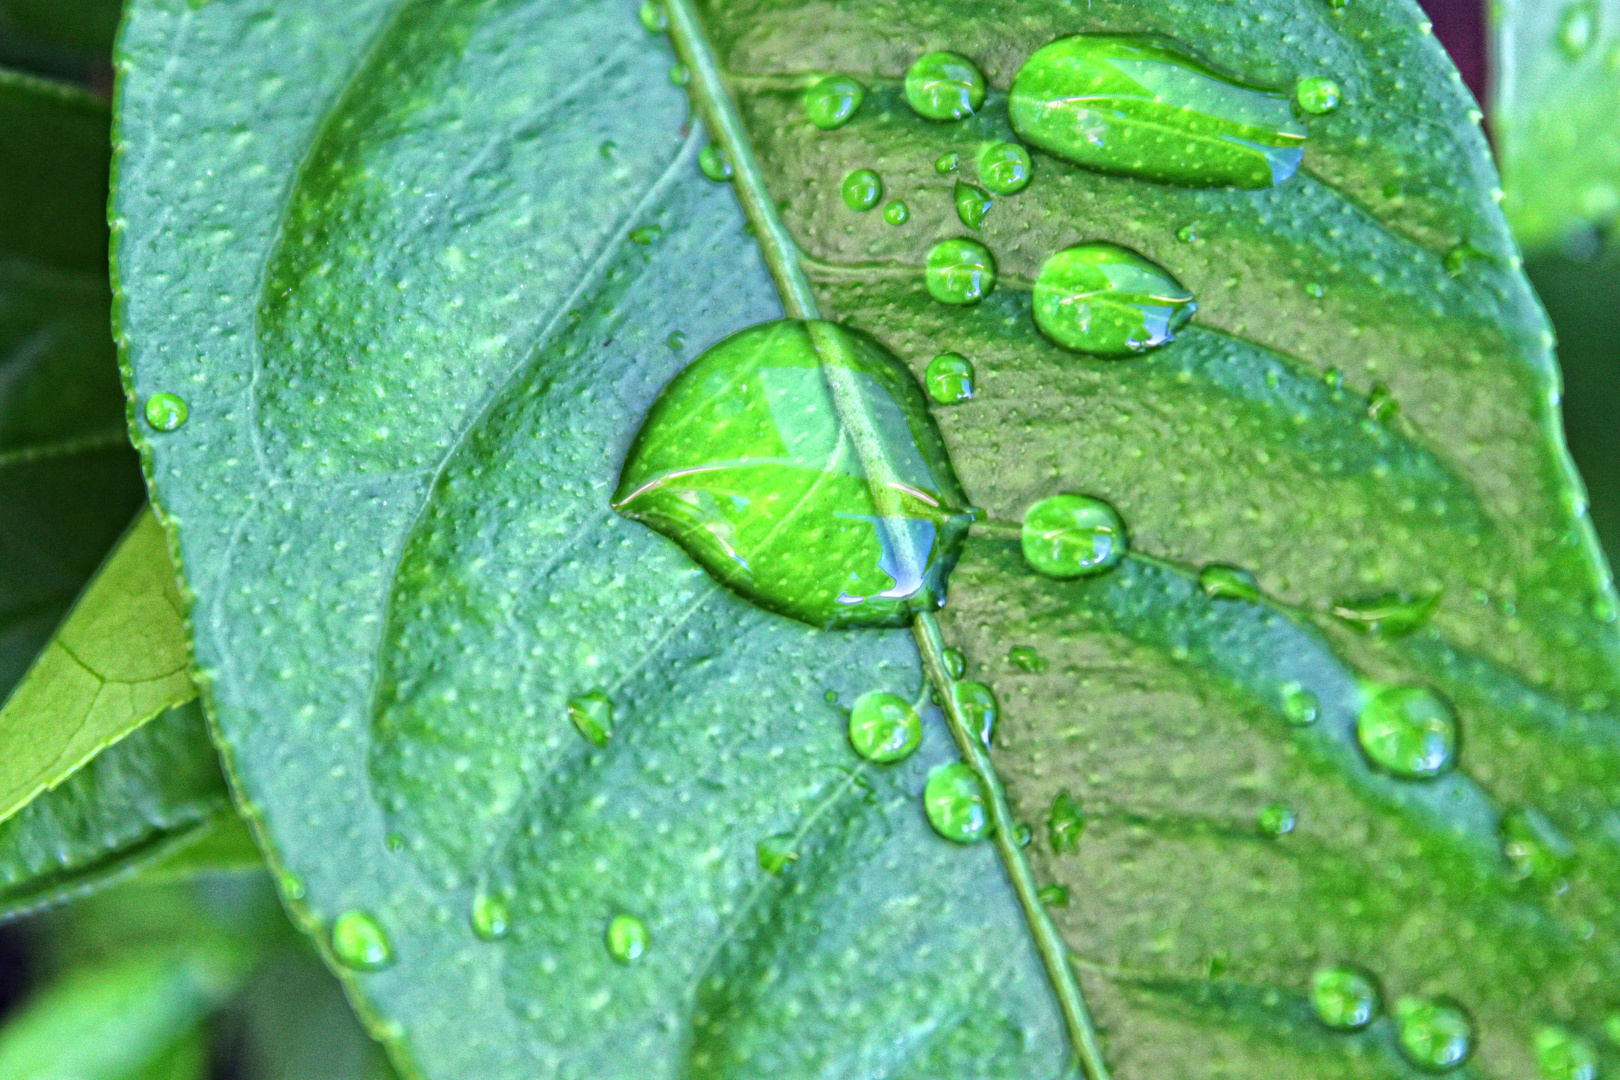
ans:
(896, 212)
(680, 74)
(1534, 847)
(1065, 824)
(1345, 998)
(607, 148)
(626, 938)
(1563, 1055)
(1005, 168)
(1023, 834)
(715, 164)
(830, 697)
(960, 271)
(1276, 820)
(1334, 378)
(1390, 615)
(166, 411)
(831, 102)
(947, 163)
(945, 86)
(1069, 536)
(1317, 95)
(955, 662)
(1433, 1034)
(777, 853)
(292, 887)
(955, 802)
(1186, 234)
(592, 716)
(676, 341)
(1299, 705)
(884, 727)
(646, 234)
(1315, 289)
(972, 204)
(862, 189)
(1142, 106)
(490, 919)
(1381, 404)
(1103, 299)
(949, 379)
(1408, 731)
(1222, 582)
(1025, 658)
(977, 704)
(654, 17)
(358, 941)
(1053, 896)
(1577, 28)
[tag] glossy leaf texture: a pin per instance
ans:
(420, 312)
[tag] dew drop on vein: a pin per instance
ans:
(955, 803)
(832, 101)
(977, 704)
(1345, 998)
(1069, 536)
(955, 663)
(1409, 732)
(1107, 300)
(776, 854)
(1222, 582)
(715, 164)
(960, 272)
(1053, 895)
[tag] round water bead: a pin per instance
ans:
(1345, 998)
(166, 411)
(1005, 168)
(1433, 1034)
(960, 271)
(831, 102)
(1408, 731)
(1070, 536)
(884, 727)
(945, 86)
(955, 803)
(1317, 95)
(862, 190)
(627, 938)
(949, 379)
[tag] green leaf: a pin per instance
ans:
(424, 307)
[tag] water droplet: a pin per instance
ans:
(1144, 107)
(1317, 95)
(592, 716)
(960, 271)
(1563, 1055)
(1577, 28)
(1534, 847)
(646, 234)
(1103, 299)
(1023, 834)
(1222, 582)
(1381, 404)
(1315, 289)
(358, 941)
(1065, 824)
(1408, 731)
(680, 74)
(949, 379)
(947, 163)
(1025, 658)
(1433, 1034)
(626, 938)
(1005, 168)
(292, 887)
(1345, 998)
(972, 204)
(862, 189)
(1053, 896)
(884, 727)
(1073, 535)
(955, 803)
(166, 411)
(1299, 705)
(654, 17)
(896, 212)
(1276, 820)
(490, 919)
(715, 164)
(832, 101)
(1334, 378)
(394, 842)
(955, 662)
(607, 149)
(755, 460)
(1186, 234)
(676, 341)
(945, 86)
(1392, 615)
(977, 704)
(777, 853)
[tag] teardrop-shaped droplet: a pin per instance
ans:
(359, 942)
(831, 102)
(1065, 824)
(1072, 536)
(1345, 998)
(1222, 582)
(1317, 95)
(1534, 847)
(1145, 107)
(1391, 615)
(714, 163)
(955, 662)
(972, 204)
(949, 378)
(1053, 895)
(777, 853)
(1103, 299)
(1408, 731)
(1005, 168)
(884, 727)
(1276, 820)
(798, 463)
(896, 212)
(627, 938)
(490, 920)
(862, 190)
(977, 704)
(960, 271)
(1563, 1055)
(1433, 1034)
(947, 162)
(166, 411)
(1025, 658)
(592, 716)
(1299, 705)
(945, 86)
(955, 803)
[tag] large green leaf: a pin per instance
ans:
(410, 284)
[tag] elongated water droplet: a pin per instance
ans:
(1391, 615)
(884, 727)
(1577, 28)
(1222, 582)
(1145, 107)
(797, 462)
(972, 204)
(1053, 895)
(166, 411)
(1299, 704)
(1563, 1055)
(714, 163)
(1104, 299)
(1072, 536)
(947, 163)
(949, 379)
(489, 920)
(896, 212)
(831, 102)
(1005, 168)
(646, 234)
(1433, 1034)
(1534, 847)
(945, 86)
(955, 662)
(862, 190)
(654, 17)
(960, 271)
(592, 716)
(627, 938)
(1317, 95)
(1345, 998)
(777, 853)
(955, 803)
(1025, 658)
(978, 706)
(1276, 820)
(1408, 731)
(359, 942)
(1065, 824)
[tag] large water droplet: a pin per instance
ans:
(884, 727)
(1073, 535)
(896, 212)
(945, 86)
(1144, 107)
(1299, 704)
(490, 919)
(977, 704)
(592, 716)
(166, 411)
(714, 163)
(1577, 28)
(1005, 168)
(359, 942)
(1222, 582)
(1065, 824)
(1345, 998)
(1391, 615)
(1433, 1034)
(972, 204)
(627, 938)
(797, 462)
(1104, 299)
(777, 853)
(1534, 847)
(960, 271)
(1563, 1055)
(862, 190)
(949, 378)
(832, 101)
(1317, 95)
(1408, 731)
(955, 803)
